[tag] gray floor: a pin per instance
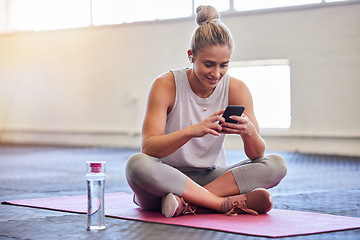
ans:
(315, 183)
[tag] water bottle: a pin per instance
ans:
(95, 176)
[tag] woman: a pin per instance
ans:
(182, 165)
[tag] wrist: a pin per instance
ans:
(188, 132)
(250, 131)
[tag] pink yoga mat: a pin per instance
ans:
(277, 223)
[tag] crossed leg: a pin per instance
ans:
(151, 180)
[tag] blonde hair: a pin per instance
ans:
(210, 31)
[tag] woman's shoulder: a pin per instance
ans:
(238, 90)
(163, 90)
(237, 84)
(165, 80)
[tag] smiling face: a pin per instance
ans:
(209, 66)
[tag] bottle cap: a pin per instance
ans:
(95, 167)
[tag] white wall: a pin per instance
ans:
(89, 86)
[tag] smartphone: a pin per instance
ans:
(233, 110)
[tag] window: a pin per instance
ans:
(3, 16)
(38, 15)
(336, 0)
(124, 11)
(269, 84)
(244, 5)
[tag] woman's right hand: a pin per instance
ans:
(209, 125)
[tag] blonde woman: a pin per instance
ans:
(182, 166)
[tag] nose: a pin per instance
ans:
(216, 72)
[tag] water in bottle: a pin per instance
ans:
(95, 186)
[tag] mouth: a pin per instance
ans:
(212, 80)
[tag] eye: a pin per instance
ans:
(208, 65)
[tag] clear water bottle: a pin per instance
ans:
(95, 176)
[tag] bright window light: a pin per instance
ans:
(168, 9)
(245, 5)
(37, 15)
(106, 12)
(269, 84)
(3, 16)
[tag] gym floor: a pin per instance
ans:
(315, 183)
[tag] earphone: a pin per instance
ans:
(191, 59)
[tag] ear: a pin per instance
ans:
(190, 55)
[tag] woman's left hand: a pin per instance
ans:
(243, 127)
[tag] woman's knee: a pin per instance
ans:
(151, 175)
(137, 166)
(278, 164)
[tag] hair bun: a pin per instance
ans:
(206, 14)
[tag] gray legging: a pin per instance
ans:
(150, 179)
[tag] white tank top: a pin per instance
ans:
(199, 153)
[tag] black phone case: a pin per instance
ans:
(233, 110)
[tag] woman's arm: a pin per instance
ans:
(160, 102)
(247, 127)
